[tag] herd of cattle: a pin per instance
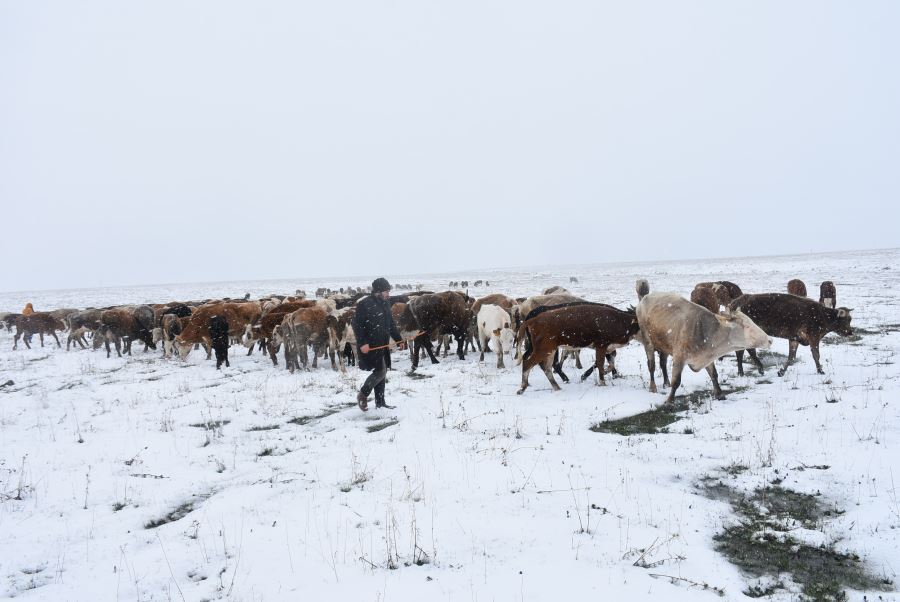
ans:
(541, 330)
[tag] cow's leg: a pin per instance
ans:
(482, 338)
(547, 366)
(557, 366)
(527, 365)
(714, 375)
(814, 348)
(677, 368)
(589, 371)
(792, 353)
(252, 347)
(664, 366)
(461, 346)
(739, 355)
(600, 362)
(58, 344)
(651, 365)
(611, 359)
(577, 354)
(430, 350)
(499, 354)
(273, 352)
(118, 342)
(41, 335)
(756, 360)
(16, 340)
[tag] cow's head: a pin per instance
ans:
(101, 335)
(250, 335)
(157, 334)
(841, 324)
(182, 348)
(745, 334)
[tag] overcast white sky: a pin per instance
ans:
(145, 142)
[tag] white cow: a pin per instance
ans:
(692, 335)
(494, 324)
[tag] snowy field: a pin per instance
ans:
(149, 479)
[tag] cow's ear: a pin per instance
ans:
(843, 312)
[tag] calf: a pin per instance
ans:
(306, 326)
(800, 320)
(77, 336)
(39, 323)
(828, 294)
(494, 324)
(692, 335)
(345, 337)
(581, 325)
(796, 287)
(218, 334)
(168, 330)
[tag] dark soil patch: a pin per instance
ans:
(839, 340)
(381, 426)
(761, 544)
(264, 427)
(889, 328)
(646, 423)
(700, 395)
(178, 512)
(325, 413)
(211, 424)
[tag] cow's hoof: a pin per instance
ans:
(653, 388)
(520, 391)
(601, 383)
(720, 396)
(820, 371)
(781, 373)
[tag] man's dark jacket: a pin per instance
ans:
(374, 326)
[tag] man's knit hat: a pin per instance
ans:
(380, 285)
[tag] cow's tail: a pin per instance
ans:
(529, 347)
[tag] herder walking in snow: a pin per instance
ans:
(374, 327)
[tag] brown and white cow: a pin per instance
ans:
(304, 327)
(693, 336)
(800, 320)
(828, 294)
(579, 325)
(238, 315)
(168, 330)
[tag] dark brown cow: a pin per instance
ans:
(724, 291)
(125, 324)
(238, 315)
(707, 297)
(39, 323)
(796, 287)
(800, 320)
(828, 294)
(443, 313)
(577, 325)
(307, 326)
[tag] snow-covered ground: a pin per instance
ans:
(276, 487)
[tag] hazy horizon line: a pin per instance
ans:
(448, 272)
